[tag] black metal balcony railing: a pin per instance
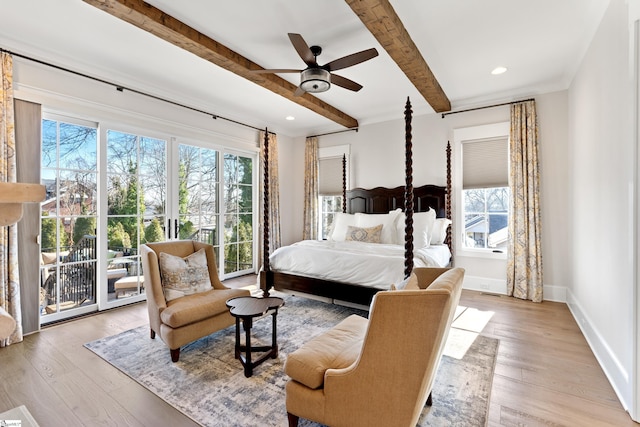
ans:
(74, 277)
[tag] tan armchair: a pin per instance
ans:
(377, 372)
(187, 318)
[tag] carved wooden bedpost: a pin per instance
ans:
(344, 183)
(408, 194)
(266, 280)
(447, 213)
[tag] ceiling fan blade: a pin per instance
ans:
(349, 60)
(299, 92)
(285, 70)
(303, 49)
(345, 83)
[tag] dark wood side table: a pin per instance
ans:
(248, 308)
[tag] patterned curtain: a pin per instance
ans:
(524, 266)
(274, 193)
(9, 278)
(310, 231)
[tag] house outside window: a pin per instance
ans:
(486, 217)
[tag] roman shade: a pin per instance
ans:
(330, 176)
(485, 163)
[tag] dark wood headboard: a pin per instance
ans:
(383, 200)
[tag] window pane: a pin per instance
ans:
(498, 199)
(49, 143)
(78, 147)
(329, 205)
(474, 200)
(486, 217)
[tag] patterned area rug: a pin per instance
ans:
(209, 385)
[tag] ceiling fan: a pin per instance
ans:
(318, 78)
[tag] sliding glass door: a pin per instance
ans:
(136, 187)
(68, 261)
(204, 192)
(111, 190)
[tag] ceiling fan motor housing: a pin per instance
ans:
(315, 80)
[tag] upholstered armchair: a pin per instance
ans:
(377, 372)
(183, 305)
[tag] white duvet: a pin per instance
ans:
(368, 264)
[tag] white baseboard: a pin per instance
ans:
(615, 372)
(499, 286)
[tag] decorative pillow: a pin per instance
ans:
(339, 226)
(439, 231)
(184, 276)
(388, 221)
(359, 234)
(410, 283)
(422, 225)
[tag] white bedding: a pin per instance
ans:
(368, 264)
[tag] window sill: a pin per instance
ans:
(481, 253)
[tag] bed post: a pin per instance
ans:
(344, 183)
(447, 213)
(266, 279)
(408, 194)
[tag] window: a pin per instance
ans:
(486, 217)
(329, 206)
(484, 177)
(330, 186)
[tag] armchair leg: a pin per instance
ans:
(152, 334)
(293, 419)
(175, 355)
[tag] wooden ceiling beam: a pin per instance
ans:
(168, 28)
(385, 25)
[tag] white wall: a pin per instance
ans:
(602, 185)
(378, 159)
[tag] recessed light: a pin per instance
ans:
(290, 118)
(498, 70)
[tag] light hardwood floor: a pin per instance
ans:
(545, 375)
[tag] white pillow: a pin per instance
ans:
(422, 225)
(388, 221)
(341, 221)
(439, 231)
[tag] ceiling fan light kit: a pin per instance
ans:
(318, 78)
(315, 80)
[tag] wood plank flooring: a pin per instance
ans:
(546, 374)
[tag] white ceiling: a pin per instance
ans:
(540, 42)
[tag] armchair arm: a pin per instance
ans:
(153, 283)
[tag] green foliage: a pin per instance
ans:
(183, 191)
(118, 237)
(127, 200)
(153, 232)
(48, 234)
(84, 226)
(186, 230)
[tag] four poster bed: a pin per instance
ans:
(353, 271)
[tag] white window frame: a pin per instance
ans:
(460, 136)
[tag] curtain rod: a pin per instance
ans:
(488, 106)
(121, 88)
(331, 133)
